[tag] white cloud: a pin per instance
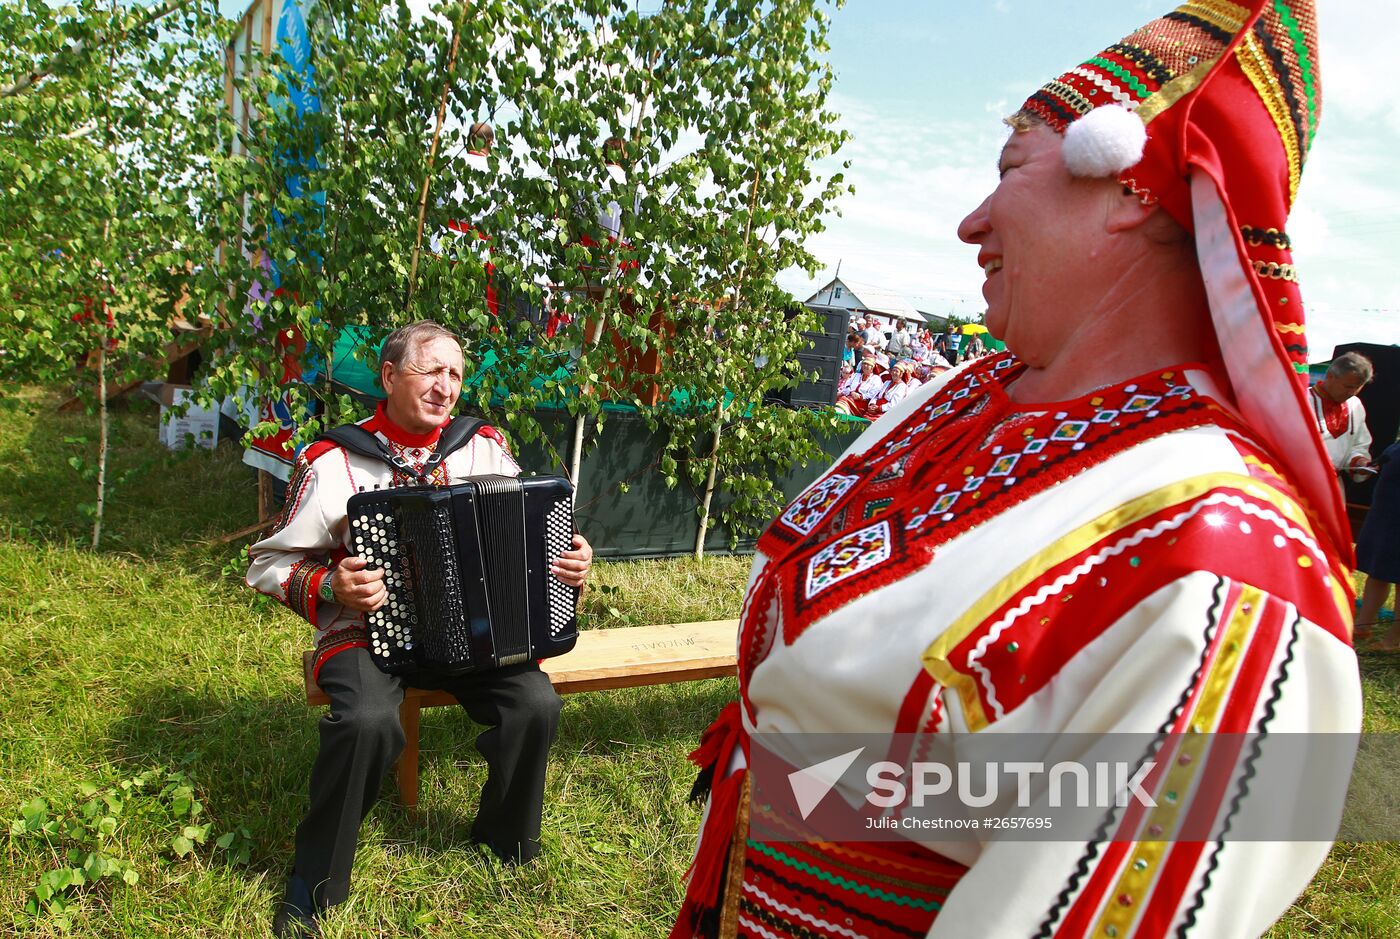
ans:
(1355, 37)
(1345, 225)
(915, 178)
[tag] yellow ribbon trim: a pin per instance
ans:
(1256, 67)
(1228, 16)
(1264, 466)
(1145, 861)
(1227, 660)
(1173, 91)
(935, 657)
(1166, 816)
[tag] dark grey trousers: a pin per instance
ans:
(361, 737)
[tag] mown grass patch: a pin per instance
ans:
(145, 654)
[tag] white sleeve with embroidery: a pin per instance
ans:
(483, 455)
(1259, 667)
(290, 563)
(1360, 433)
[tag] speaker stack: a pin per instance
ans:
(822, 356)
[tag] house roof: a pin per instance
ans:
(876, 299)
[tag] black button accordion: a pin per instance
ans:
(467, 570)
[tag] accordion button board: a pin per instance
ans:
(467, 573)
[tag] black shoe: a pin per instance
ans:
(296, 914)
(517, 854)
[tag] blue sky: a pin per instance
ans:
(922, 88)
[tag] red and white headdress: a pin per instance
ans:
(1209, 112)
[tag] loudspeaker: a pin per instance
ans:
(824, 345)
(822, 356)
(1381, 399)
(820, 391)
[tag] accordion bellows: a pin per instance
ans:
(467, 570)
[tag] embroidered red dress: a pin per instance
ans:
(1128, 561)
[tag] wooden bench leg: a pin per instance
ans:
(408, 760)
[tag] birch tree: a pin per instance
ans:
(107, 138)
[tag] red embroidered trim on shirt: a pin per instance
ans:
(381, 424)
(963, 457)
(755, 631)
(1336, 415)
(296, 491)
(300, 587)
(1047, 623)
(418, 456)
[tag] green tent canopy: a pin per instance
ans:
(349, 371)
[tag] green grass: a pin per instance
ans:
(146, 653)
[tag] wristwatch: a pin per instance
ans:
(324, 593)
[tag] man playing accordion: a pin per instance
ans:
(306, 564)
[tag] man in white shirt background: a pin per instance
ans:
(1340, 415)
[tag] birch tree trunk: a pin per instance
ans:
(709, 496)
(704, 527)
(101, 436)
(432, 154)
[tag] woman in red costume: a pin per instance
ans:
(1124, 524)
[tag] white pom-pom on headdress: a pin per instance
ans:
(1104, 142)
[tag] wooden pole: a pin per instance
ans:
(432, 152)
(264, 496)
(267, 27)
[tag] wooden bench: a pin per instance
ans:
(603, 658)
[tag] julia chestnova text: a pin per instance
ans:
(920, 823)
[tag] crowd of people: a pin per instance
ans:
(879, 370)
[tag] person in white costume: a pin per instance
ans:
(896, 389)
(1340, 415)
(1122, 525)
(308, 564)
(865, 385)
(850, 381)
